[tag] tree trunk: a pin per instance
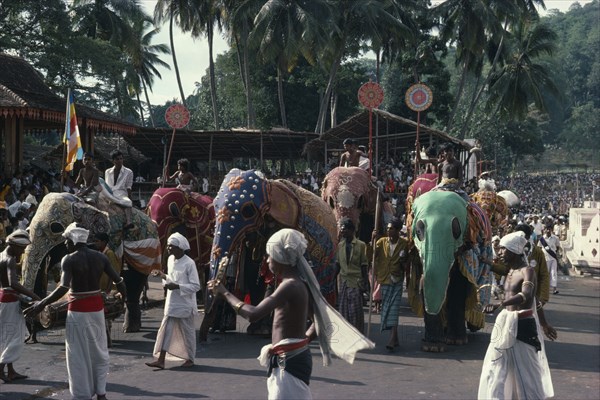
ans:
(175, 61)
(211, 70)
(332, 75)
(461, 86)
(137, 95)
(334, 103)
(149, 105)
(280, 95)
(249, 102)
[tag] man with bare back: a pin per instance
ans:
(515, 365)
(85, 338)
(12, 324)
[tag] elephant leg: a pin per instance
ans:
(134, 282)
(455, 307)
(434, 340)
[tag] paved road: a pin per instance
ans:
(227, 369)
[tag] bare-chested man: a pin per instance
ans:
(89, 177)
(450, 171)
(515, 365)
(186, 180)
(351, 157)
(296, 299)
(12, 324)
(87, 360)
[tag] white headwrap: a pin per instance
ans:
(287, 246)
(514, 242)
(20, 237)
(178, 240)
(76, 234)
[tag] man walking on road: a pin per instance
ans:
(515, 365)
(12, 324)
(550, 244)
(296, 299)
(85, 338)
(177, 335)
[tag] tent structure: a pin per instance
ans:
(27, 105)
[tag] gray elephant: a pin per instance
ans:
(139, 248)
(249, 204)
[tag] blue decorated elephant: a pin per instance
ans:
(248, 204)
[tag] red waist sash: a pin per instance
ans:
(526, 314)
(8, 296)
(286, 348)
(91, 303)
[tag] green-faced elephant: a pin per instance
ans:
(351, 194)
(139, 248)
(247, 205)
(452, 236)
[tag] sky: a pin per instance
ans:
(192, 55)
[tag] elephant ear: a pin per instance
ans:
(284, 204)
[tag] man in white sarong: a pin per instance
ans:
(85, 338)
(177, 335)
(12, 324)
(119, 179)
(288, 358)
(515, 365)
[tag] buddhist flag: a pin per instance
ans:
(72, 138)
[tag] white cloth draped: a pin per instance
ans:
(282, 385)
(87, 353)
(120, 195)
(13, 332)
(513, 369)
(177, 337)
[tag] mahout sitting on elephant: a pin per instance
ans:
(250, 207)
(139, 248)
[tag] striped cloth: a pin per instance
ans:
(390, 307)
(351, 306)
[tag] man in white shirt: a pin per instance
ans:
(177, 335)
(550, 244)
(538, 227)
(119, 179)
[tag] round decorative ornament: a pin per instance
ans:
(177, 116)
(418, 97)
(370, 95)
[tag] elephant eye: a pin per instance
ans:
(56, 227)
(420, 230)
(331, 203)
(174, 209)
(248, 211)
(455, 228)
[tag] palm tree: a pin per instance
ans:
(470, 24)
(144, 58)
(366, 20)
(285, 30)
(181, 12)
(239, 21)
(106, 19)
(522, 81)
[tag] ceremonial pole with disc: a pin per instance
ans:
(418, 98)
(177, 116)
(370, 95)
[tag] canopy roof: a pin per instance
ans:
(24, 93)
(401, 131)
(277, 143)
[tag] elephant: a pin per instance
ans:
(139, 247)
(249, 205)
(191, 214)
(351, 194)
(452, 237)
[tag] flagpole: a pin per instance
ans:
(64, 153)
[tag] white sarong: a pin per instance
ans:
(176, 336)
(13, 332)
(513, 369)
(282, 385)
(87, 353)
